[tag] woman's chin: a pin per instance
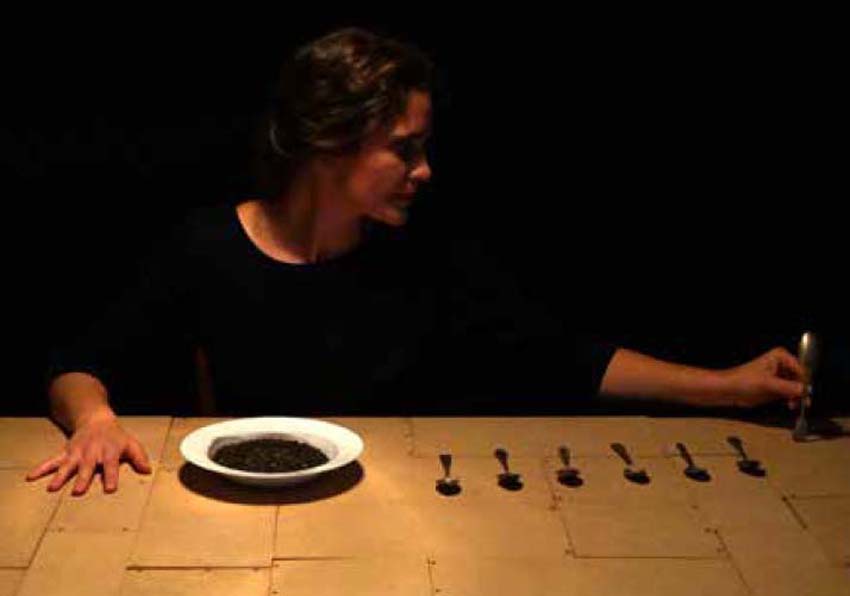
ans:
(392, 215)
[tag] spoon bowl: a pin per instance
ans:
(638, 476)
(568, 475)
(692, 471)
(745, 464)
(510, 481)
(507, 479)
(631, 473)
(751, 467)
(447, 485)
(697, 473)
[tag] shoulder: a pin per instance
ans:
(203, 229)
(198, 233)
(209, 219)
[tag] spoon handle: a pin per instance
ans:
(737, 445)
(446, 460)
(620, 450)
(502, 456)
(564, 452)
(684, 453)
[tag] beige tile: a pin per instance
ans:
(443, 527)
(784, 562)
(770, 433)
(384, 439)
(532, 437)
(78, 563)
(735, 500)
(206, 522)
(604, 482)
(479, 481)
(351, 530)
(815, 468)
(25, 511)
(828, 520)
(477, 576)
(727, 480)
(10, 580)
(653, 530)
(585, 577)
(359, 482)
(414, 481)
(706, 436)
(96, 511)
(26, 442)
(593, 435)
(150, 431)
(756, 513)
(489, 529)
(196, 582)
(380, 576)
(812, 470)
(656, 577)
(776, 442)
(772, 439)
(180, 427)
(479, 437)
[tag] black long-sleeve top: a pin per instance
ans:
(387, 328)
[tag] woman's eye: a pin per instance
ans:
(407, 150)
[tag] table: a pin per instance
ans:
(379, 527)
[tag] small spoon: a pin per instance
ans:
(447, 485)
(693, 471)
(745, 464)
(638, 476)
(568, 475)
(507, 479)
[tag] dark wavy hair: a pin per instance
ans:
(331, 94)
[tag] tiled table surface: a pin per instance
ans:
(378, 526)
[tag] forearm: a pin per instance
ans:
(634, 375)
(76, 398)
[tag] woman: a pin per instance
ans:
(308, 295)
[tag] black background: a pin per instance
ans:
(668, 179)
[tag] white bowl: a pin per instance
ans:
(339, 444)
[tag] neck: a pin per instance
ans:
(309, 223)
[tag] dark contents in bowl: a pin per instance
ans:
(269, 455)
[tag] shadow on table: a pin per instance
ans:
(823, 425)
(326, 486)
(821, 428)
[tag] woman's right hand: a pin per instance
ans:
(99, 443)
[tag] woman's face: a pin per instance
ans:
(381, 179)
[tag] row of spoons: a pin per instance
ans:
(570, 476)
